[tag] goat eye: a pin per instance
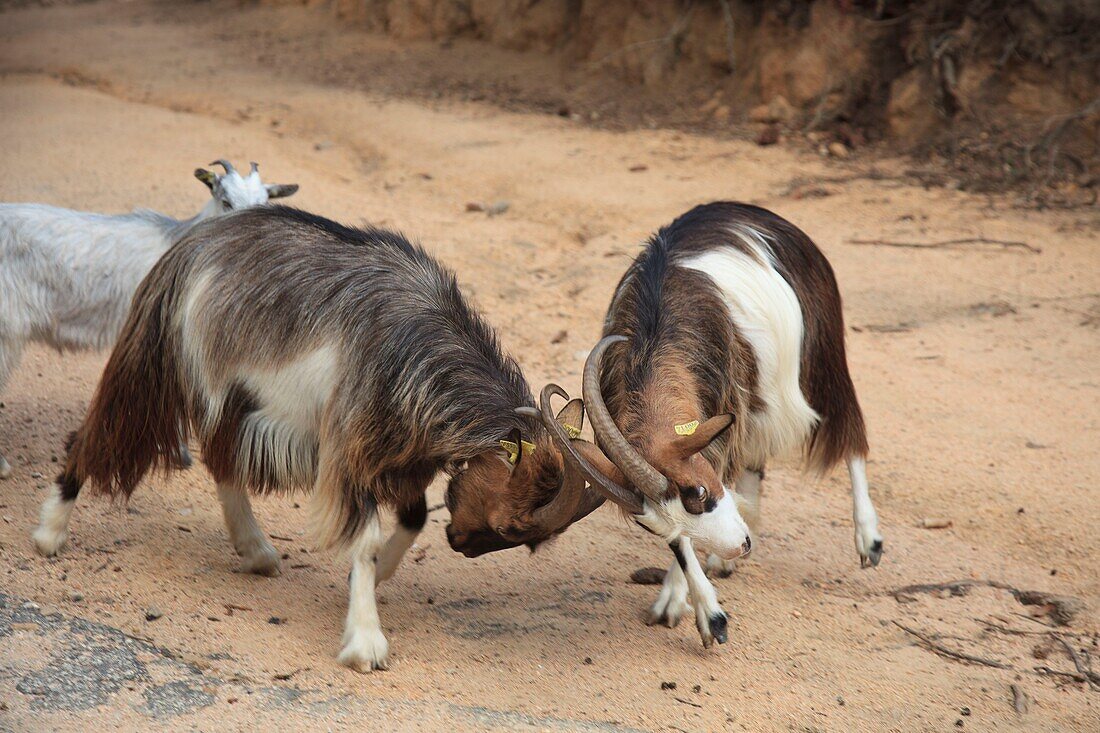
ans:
(701, 492)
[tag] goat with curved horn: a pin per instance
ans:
(734, 354)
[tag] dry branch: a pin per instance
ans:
(1090, 677)
(1019, 699)
(949, 243)
(951, 653)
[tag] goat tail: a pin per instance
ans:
(138, 417)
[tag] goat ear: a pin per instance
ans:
(571, 417)
(281, 190)
(592, 453)
(208, 178)
(703, 435)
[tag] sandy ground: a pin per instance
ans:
(976, 367)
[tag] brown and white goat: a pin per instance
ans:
(303, 354)
(723, 347)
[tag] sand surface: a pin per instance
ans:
(978, 368)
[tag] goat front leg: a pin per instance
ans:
(672, 601)
(11, 350)
(710, 619)
(868, 539)
(410, 520)
(364, 645)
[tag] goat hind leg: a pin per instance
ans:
(257, 554)
(53, 523)
(867, 536)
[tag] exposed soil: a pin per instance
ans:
(975, 363)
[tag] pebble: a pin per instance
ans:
(276, 621)
(668, 685)
(76, 597)
(153, 613)
(838, 149)
(498, 208)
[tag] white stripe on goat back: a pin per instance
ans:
(766, 312)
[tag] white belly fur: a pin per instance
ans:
(766, 312)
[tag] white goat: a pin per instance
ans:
(67, 277)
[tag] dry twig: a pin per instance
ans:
(949, 243)
(951, 653)
(1090, 677)
(1019, 699)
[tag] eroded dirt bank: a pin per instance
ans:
(976, 366)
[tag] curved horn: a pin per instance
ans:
(564, 507)
(254, 168)
(637, 470)
(225, 164)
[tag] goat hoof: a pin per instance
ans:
(262, 561)
(716, 567)
(365, 651)
(48, 542)
(718, 624)
(870, 548)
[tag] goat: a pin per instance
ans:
(308, 355)
(724, 347)
(67, 277)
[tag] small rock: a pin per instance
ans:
(76, 597)
(276, 621)
(153, 613)
(838, 149)
(965, 711)
(36, 474)
(323, 145)
(668, 685)
(559, 337)
(498, 208)
(648, 576)
(959, 723)
(588, 660)
(475, 206)
(796, 614)
(638, 168)
(935, 523)
(840, 700)
(768, 136)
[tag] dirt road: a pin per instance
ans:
(976, 366)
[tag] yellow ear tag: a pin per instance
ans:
(687, 428)
(571, 431)
(513, 451)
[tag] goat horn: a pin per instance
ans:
(635, 468)
(225, 164)
(572, 501)
(255, 168)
